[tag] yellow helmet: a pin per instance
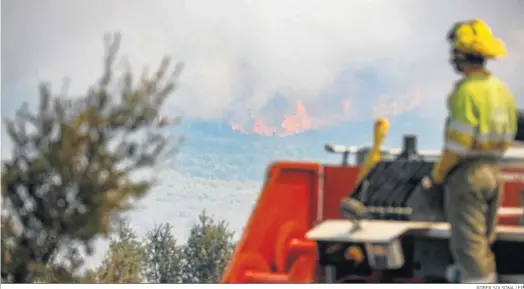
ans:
(475, 37)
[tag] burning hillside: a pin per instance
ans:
(300, 120)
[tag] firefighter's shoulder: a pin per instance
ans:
(464, 86)
(462, 90)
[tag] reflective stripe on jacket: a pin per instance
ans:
(482, 117)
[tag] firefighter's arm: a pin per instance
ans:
(513, 116)
(460, 132)
(448, 160)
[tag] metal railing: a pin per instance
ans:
(513, 154)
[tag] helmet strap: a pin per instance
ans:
(460, 59)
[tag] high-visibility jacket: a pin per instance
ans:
(520, 126)
(482, 121)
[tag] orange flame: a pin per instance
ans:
(295, 123)
(260, 127)
(300, 121)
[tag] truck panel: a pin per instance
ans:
(284, 212)
(295, 197)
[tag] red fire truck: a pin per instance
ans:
(296, 233)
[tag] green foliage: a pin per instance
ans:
(159, 259)
(72, 173)
(72, 167)
(124, 260)
(207, 251)
(163, 256)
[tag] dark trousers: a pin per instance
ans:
(471, 201)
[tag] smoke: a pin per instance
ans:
(339, 59)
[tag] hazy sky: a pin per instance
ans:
(240, 54)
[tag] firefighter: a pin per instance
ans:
(480, 127)
(520, 126)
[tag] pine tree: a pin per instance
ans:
(73, 166)
(163, 256)
(207, 251)
(124, 261)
